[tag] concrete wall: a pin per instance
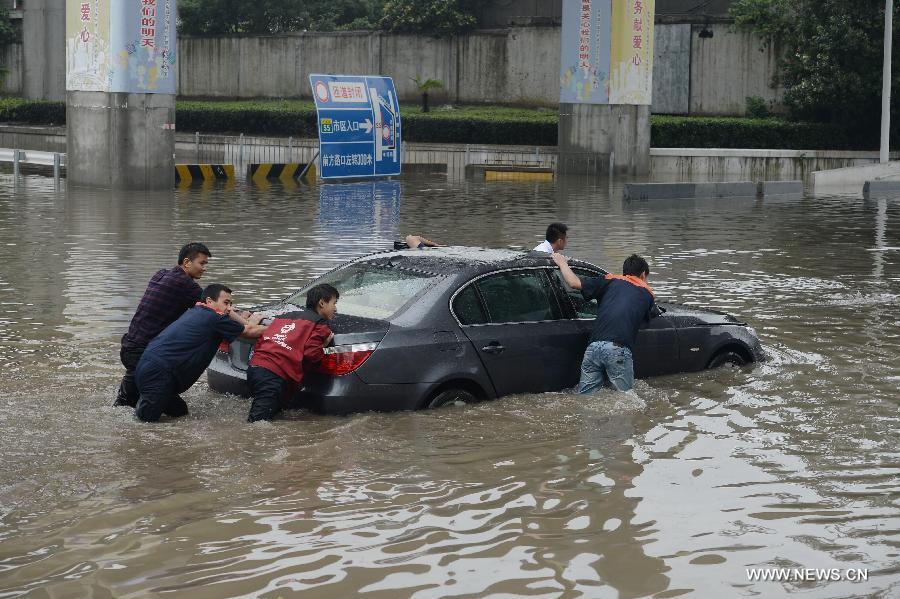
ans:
(672, 69)
(519, 65)
(11, 58)
(44, 57)
(666, 164)
(727, 68)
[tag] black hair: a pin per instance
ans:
(213, 291)
(556, 231)
(322, 291)
(635, 265)
(192, 250)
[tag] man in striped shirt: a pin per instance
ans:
(169, 294)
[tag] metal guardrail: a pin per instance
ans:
(18, 157)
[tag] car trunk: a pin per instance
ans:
(347, 330)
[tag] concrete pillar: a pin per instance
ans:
(619, 129)
(44, 58)
(120, 140)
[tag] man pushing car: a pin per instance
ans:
(176, 358)
(624, 302)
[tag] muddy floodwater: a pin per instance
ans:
(695, 485)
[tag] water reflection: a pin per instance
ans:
(675, 491)
(354, 213)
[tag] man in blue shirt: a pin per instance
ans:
(624, 302)
(177, 357)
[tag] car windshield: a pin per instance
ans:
(371, 291)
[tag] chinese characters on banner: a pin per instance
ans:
(130, 46)
(607, 51)
(87, 45)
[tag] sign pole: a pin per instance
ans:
(886, 82)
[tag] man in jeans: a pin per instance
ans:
(178, 356)
(170, 292)
(624, 302)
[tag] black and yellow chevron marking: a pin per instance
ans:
(286, 172)
(203, 172)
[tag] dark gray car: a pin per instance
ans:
(423, 328)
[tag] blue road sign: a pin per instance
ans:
(359, 125)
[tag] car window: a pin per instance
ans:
(467, 307)
(518, 296)
(583, 308)
(371, 291)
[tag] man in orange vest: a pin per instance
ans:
(624, 302)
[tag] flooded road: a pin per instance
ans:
(690, 487)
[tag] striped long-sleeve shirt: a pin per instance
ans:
(169, 293)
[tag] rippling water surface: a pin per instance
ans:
(677, 489)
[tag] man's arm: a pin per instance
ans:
(253, 331)
(252, 327)
(568, 276)
(320, 338)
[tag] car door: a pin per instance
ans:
(515, 322)
(656, 350)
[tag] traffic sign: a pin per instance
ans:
(359, 125)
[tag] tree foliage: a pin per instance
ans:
(441, 18)
(216, 17)
(431, 17)
(831, 55)
(8, 33)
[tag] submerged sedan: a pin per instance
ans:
(425, 328)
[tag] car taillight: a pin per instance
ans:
(224, 347)
(343, 359)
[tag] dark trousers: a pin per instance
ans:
(158, 392)
(128, 391)
(267, 390)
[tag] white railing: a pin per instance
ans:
(18, 157)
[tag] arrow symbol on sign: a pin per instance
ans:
(366, 125)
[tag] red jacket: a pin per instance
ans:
(290, 342)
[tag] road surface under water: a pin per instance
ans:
(685, 487)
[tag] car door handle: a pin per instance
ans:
(493, 348)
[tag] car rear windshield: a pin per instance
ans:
(371, 291)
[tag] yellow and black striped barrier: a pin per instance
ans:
(509, 172)
(187, 173)
(518, 175)
(288, 172)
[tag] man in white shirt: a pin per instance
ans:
(555, 239)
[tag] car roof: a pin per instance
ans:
(453, 259)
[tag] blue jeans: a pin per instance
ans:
(605, 361)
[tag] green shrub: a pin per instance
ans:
(732, 132)
(477, 125)
(285, 118)
(757, 108)
(38, 112)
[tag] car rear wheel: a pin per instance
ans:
(451, 397)
(727, 358)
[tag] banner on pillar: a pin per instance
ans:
(87, 45)
(121, 46)
(607, 51)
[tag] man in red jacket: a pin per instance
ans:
(290, 343)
